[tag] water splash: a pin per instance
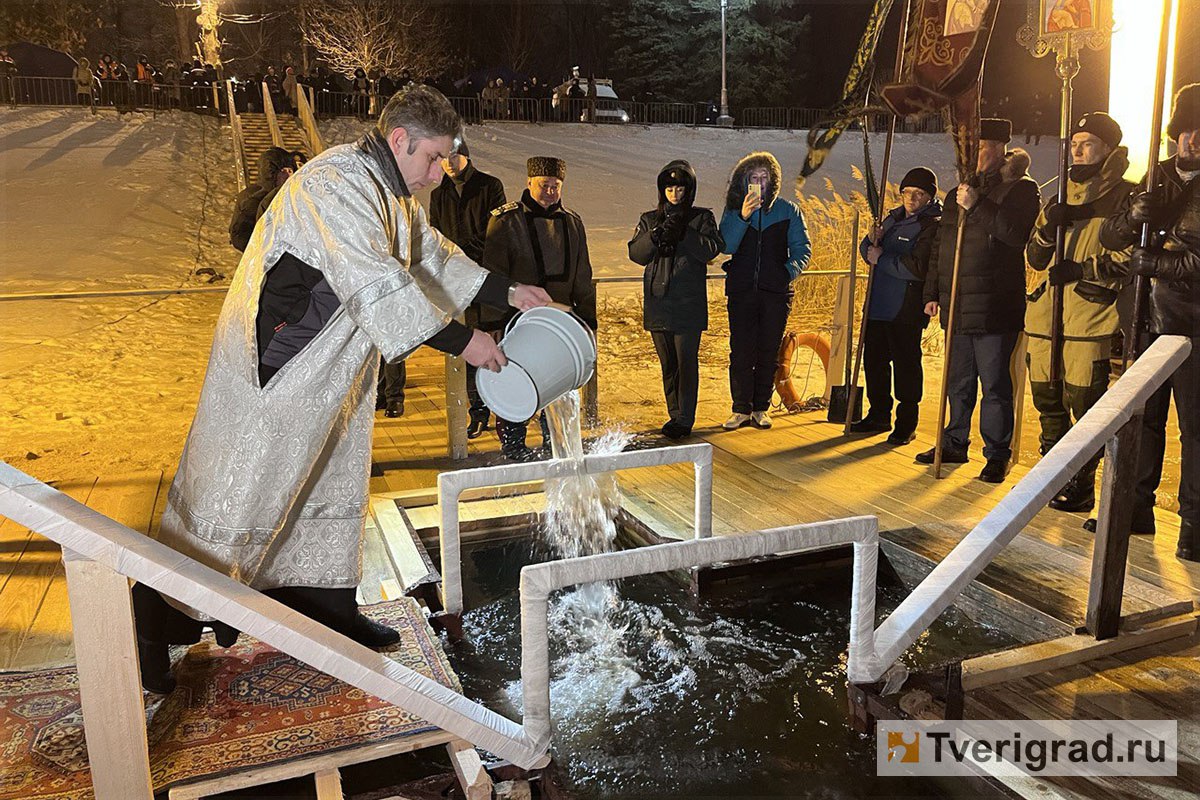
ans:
(581, 509)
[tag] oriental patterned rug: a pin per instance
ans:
(236, 708)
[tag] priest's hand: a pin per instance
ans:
(931, 308)
(524, 297)
(483, 352)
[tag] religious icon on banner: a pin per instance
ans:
(1066, 26)
(1063, 16)
(964, 16)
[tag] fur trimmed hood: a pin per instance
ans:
(736, 192)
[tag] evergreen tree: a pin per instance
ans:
(672, 49)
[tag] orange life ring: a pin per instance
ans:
(789, 394)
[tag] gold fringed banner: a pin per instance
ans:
(855, 93)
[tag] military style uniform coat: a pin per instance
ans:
(1090, 317)
(544, 247)
(272, 485)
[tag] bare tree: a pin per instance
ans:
(377, 35)
(517, 38)
(61, 24)
(209, 20)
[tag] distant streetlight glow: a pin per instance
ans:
(1136, 27)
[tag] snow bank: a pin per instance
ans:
(101, 202)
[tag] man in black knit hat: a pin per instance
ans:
(898, 251)
(1000, 205)
(539, 240)
(1173, 261)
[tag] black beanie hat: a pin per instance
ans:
(462, 149)
(546, 167)
(1100, 125)
(994, 129)
(1185, 111)
(921, 178)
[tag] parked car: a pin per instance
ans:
(608, 106)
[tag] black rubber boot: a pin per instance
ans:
(994, 471)
(159, 625)
(1189, 548)
(370, 633)
(902, 434)
(869, 424)
(949, 456)
(337, 609)
(226, 635)
(154, 662)
(1142, 524)
(1078, 495)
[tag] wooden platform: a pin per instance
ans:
(800, 471)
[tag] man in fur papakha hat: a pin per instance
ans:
(1000, 205)
(539, 241)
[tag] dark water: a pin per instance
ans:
(654, 695)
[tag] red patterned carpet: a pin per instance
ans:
(235, 708)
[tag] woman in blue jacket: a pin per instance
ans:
(766, 236)
(898, 252)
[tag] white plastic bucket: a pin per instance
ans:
(550, 352)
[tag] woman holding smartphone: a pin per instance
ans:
(768, 242)
(674, 242)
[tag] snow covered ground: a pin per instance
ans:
(97, 202)
(95, 386)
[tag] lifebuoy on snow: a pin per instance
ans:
(789, 393)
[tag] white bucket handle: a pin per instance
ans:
(566, 309)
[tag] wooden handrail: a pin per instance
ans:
(239, 142)
(272, 120)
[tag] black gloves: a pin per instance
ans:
(1145, 208)
(673, 229)
(1065, 272)
(1143, 262)
(1066, 214)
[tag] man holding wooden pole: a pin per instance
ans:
(999, 207)
(1169, 253)
(1089, 279)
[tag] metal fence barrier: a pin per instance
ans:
(247, 96)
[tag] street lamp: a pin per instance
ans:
(724, 120)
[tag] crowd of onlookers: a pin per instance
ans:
(490, 94)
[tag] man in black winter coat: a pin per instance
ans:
(675, 242)
(1001, 206)
(1173, 261)
(460, 207)
(275, 166)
